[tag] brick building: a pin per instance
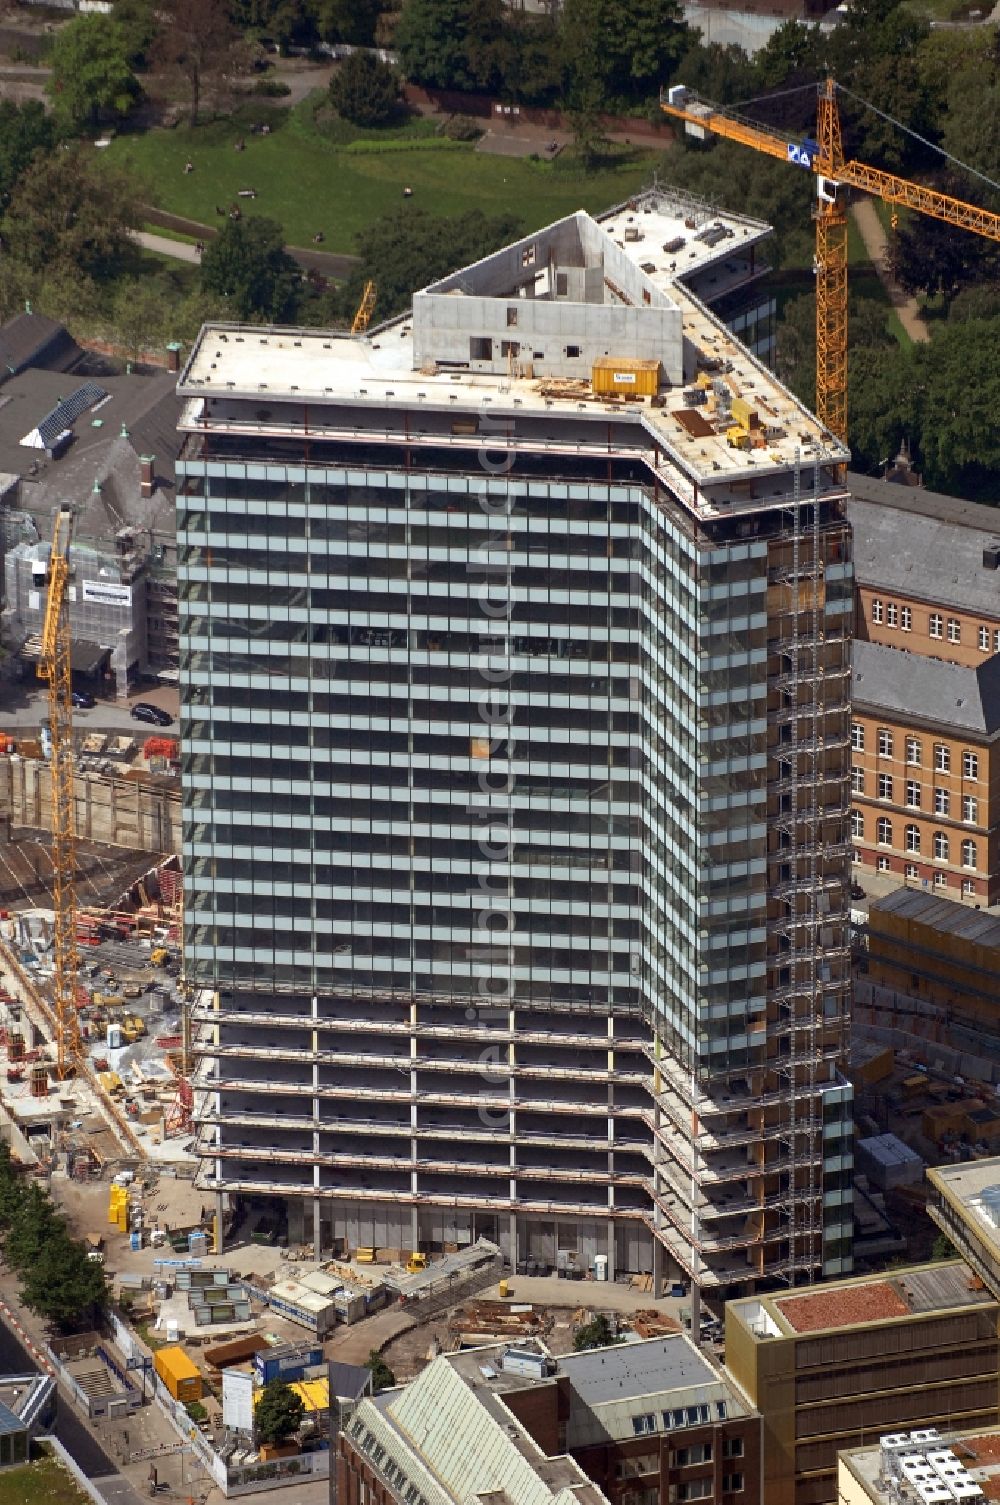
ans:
(635, 1424)
(926, 689)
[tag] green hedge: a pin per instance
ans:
(423, 144)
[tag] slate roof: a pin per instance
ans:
(923, 544)
(146, 405)
(36, 340)
(927, 689)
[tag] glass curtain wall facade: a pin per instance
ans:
(489, 852)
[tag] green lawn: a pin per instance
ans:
(43, 1483)
(312, 183)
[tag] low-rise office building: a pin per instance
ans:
(830, 1367)
(634, 1424)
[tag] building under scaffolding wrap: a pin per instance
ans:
(515, 643)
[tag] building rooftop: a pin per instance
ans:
(927, 1467)
(520, 333)
(637, 1369)
(924, 1289)
(30, 339)
(976, 926)
(972, 1187)
(929, 689)
(100, 455)
(925, 545)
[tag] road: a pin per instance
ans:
(23, 708)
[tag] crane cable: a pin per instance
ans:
(957, 161)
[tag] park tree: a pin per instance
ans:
(36, 1224)
(382, 1376)
(619, 52)
(140, 315)
(24, 129)
(247, 266)
(73, 210)
(453, 44)
(405, 251)
(91, 78)
(198, 43)
(365, 90)
(279, 1412)
(352, 21)
(597, 1333)
(136, 19)
(63, 1286)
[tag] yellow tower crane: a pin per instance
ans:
(365, 309)
(824, 157)
(54, 666)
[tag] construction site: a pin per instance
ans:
(107, 1081)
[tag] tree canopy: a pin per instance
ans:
(365, 90)
(597, 1333)
(91, 78)
(279, 1412)
(382, 1376)
(24, 130)
(58, 1281)
(75, 211)
(248, 267)
(198, 43)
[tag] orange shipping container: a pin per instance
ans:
(179, 1373)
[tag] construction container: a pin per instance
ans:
(618, 375)
(288, 1361)
(39, 1081)
(15, 1046)
(179, 1373)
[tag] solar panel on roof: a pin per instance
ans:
(63, 415)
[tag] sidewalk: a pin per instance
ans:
(870, 228)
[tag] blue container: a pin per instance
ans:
(135, 1240)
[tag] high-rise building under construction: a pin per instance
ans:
(515, 649)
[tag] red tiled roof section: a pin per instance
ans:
(990, 1487)
(872, 1302)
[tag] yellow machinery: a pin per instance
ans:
(416, 1262)
(54, 666)
(159, 955)
(825, 158)
(366, 308)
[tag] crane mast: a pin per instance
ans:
(54, 666)
(824, 157)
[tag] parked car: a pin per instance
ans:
(143, 711)
(83, 700)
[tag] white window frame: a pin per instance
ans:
(906, 618)
(911, 838)
(942, 847)
(954, 630)
(984, 640)
(942, 801)
(970, 810)
(970, 766)
(857, 781)
(883, 824)
(967, 847)
(912, 794)
(914, 752)
(858, 736)
(877, 612)
(935, 625)
(942, 757)
(884, 742)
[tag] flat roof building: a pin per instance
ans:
(829, 1368)
(931, 1466)
(515, 703)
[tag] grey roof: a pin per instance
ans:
(36, 340)
(922, 544)
(349, 1381)
(628, 1370)
(146, 405)
(977, 926)
(9, 1421)
(927, 689)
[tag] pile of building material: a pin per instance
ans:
(479, 1320)
(653, 1324)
